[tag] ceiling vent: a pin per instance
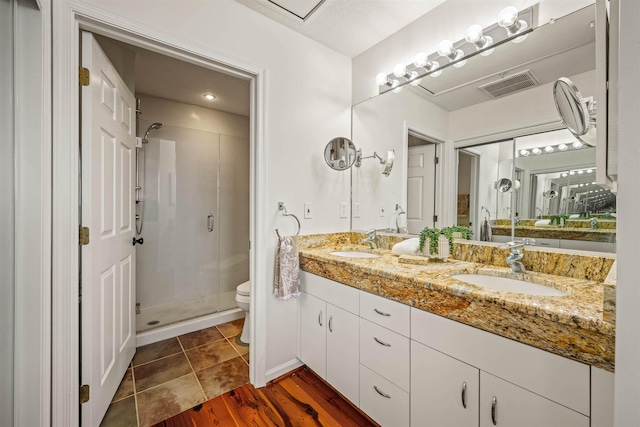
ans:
(511, 84)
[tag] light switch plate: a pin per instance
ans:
(308, 213)
(356, 210)
(343, 209)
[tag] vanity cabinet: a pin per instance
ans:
(329, 330)
(531, 387)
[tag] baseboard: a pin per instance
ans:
(280, 370)
(176, 329)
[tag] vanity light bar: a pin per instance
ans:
(512, 25)
(548, 149)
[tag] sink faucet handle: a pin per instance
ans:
(514, 244)
(529, 241)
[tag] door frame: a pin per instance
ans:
(69, 17)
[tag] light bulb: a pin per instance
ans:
(434, 66)
(396, 86)
(400, 70)
(589, 170)
(562, 147)
(420, 60)
(580, 172)
(508, 19)
(577, 145)
(445, 48)
(536, 151)
(548, 149)
(564, 175)
(209, 96)
(381, 79)
(524, 153)
(572, 172)
(474, 35)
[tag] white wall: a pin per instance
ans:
(381, 124)
(308, 102)
(424, 34)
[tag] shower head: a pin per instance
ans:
(154, 126)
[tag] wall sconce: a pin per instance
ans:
(387, 162)
(476, 41)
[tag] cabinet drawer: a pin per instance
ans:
(387, 404)
(343, 296)
(385, 352)
(385, 312)
(557, 378)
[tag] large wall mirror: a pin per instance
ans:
(475, 138)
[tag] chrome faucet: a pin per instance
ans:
(369, 237)
(517, 253)
(593, 224)
(540, 212)
(402, 212)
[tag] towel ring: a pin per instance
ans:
(285, 213)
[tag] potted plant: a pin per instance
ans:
(438, 243)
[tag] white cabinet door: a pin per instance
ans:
(343, 352)
(505, 404)
(313, 342)
(444, 390)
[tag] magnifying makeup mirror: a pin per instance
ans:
(504, 185)
(550, 194)
(576, 112)
(340, 154)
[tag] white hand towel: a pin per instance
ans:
(286, 283)
(541, 222)
(406, 247)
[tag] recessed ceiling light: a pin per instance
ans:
(209, 96)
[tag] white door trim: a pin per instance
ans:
(68, 18)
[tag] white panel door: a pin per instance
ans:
(108, 262)
(421, 187)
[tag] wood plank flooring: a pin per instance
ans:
(298, 398)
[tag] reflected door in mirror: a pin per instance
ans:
(421, 182)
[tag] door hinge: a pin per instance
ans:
(84, 236)
(84, 393)
(83, 76)
(435, 218)
(436, 160)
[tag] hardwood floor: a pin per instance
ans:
(299, 398)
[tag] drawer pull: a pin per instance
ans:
(381, 313)
(330, 324)
(494, 407)
(464, 395)
(381, 393)
(386, 344)
(320, 318)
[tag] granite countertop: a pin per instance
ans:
(606, 235)
(576, 326)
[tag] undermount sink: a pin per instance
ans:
(354, 254)
(510, 285)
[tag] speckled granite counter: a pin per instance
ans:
(554, 232)
(573, 326)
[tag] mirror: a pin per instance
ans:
(576, 112)
(504, 185)
(463, 116)
(340, 154)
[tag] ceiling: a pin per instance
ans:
(346, 26)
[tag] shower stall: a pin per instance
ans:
(193, 214)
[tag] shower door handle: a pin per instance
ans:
(210, 222)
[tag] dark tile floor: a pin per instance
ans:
(171, 376)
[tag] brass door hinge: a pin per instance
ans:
(84, 393)
(83, 76)
(84, 236)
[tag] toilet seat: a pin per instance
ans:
(244, 288)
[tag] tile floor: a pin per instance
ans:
(171, 376)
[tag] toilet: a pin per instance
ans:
(242, 298)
